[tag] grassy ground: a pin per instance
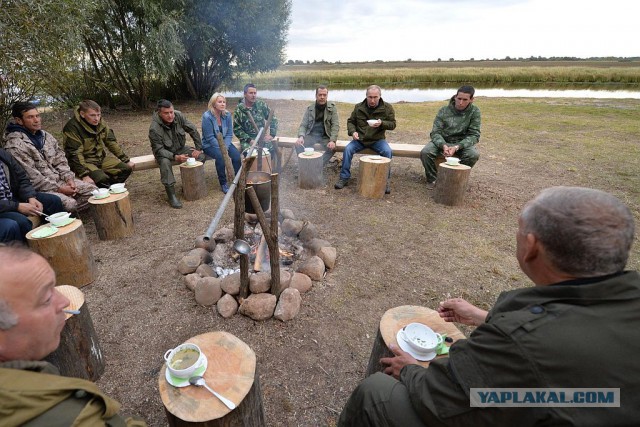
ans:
(404, 249)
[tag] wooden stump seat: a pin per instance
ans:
(68, 252)
(231, 372)
(310, 170)
(194, 184)
(373, 173)
(79, 353)
(397, 318)
(112, 216)
(451, 184)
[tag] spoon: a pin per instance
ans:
(242, 247)
(200, 382)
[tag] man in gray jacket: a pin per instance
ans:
(577, 328)
(320, 125)
(167, 135)
(456, 131)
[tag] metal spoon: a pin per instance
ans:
(242, 247)
(200, 382)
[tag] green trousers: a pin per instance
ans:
(468, 156)
(112, 171)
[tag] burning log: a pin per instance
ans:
(260, 254)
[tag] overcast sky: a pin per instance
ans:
(368, 30)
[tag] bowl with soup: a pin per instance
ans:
(183, 360)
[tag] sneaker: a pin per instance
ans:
(342, 182)
(431, 185)
(225, 188)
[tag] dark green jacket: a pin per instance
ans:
(575, 334)
(33, 394)
(358, 121)
(244, 129)
(331, 121)
(169, 140)
(86, 147)
(456, 127)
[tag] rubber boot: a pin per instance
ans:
(171, 194)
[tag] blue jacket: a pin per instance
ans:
(210, 129)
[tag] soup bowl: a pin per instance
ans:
(183, 360)
(58, 218)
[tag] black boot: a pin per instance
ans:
(171, 194)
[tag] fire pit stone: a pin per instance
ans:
(258, 306)
(260, 282)
(208, 291)
(313, 267)
(227, 306)
(328, 255)
(301, 282)
(288, 305)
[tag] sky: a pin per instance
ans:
(397, 30)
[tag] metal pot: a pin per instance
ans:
(261, 182)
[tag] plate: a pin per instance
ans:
(65, 222)
(405, 347)
(101, 197)
(183, 382)
(453, 164)
(45, 232)
(117, 191)
(309, 154)
(375, 157)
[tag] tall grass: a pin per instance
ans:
(363, 74)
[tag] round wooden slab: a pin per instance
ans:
(74, 295)
(230, 372)
(399, 317)
(112, 198)
(314, 155)
(61, 230)
(457, 167)
(195, 165)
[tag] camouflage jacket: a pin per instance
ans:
(244, 129)
(456, 127)
(34, 394)
(86, 146)
(47, 169)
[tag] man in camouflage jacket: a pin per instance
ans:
(456, 131)
(86, 141)
(43, 160)
(249, 116)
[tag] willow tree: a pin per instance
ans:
(132, 46)
(223, 38)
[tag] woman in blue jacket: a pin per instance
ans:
(217, 120)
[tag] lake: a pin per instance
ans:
(353, 96)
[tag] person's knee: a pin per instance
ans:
(100, 178)
(10, 230)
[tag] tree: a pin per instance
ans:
(224, 38)
(131, 45)
(40, 49)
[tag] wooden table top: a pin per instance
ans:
(61, 230)
(230, 372)
(398, 317)
(110, 199)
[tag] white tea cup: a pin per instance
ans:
(191, 161)
(100, 192)
(453, 161)
(421, 338)
(183, 360)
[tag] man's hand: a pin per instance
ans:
(331, 145)
(449, 151)
(460, 311)
(300, 141)
(72, 183)
(377, 124)
(355, 136)
(396, 363)
(196, 153)
(67, 190)
(88, 179)
(180, 158)
(35, 202)
(268, 137)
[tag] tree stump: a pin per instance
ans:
(79, 353)
(310, 170)
(68, 252)
(112, 216)
(231, 372)
(397, 318)
(451, 184)
(194, 185)
(372, 176)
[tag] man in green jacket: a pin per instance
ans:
(32, 393)
(320, 125)
(578, 328)
(456, 131)
(86, 141)
(167, 135)
(249, 116)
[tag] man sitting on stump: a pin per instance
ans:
(86, 141)
(456, 131)
(32, 392)
(577, 328)
(320, 125)
(168, 143)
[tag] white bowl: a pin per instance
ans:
(372, 122)
(309, 150)
(117, 187)
(421, 338)
(191, 161)
(58, 218)
(173, 358)
(100, 192)
(454, 161)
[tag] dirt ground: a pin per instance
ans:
(403, 249)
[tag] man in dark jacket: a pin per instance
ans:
(320, 125)
(86, 141)
(18, 200)
(32, 392)
(578, 328)
(167, 135)
(367, 125)
(456, 131)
